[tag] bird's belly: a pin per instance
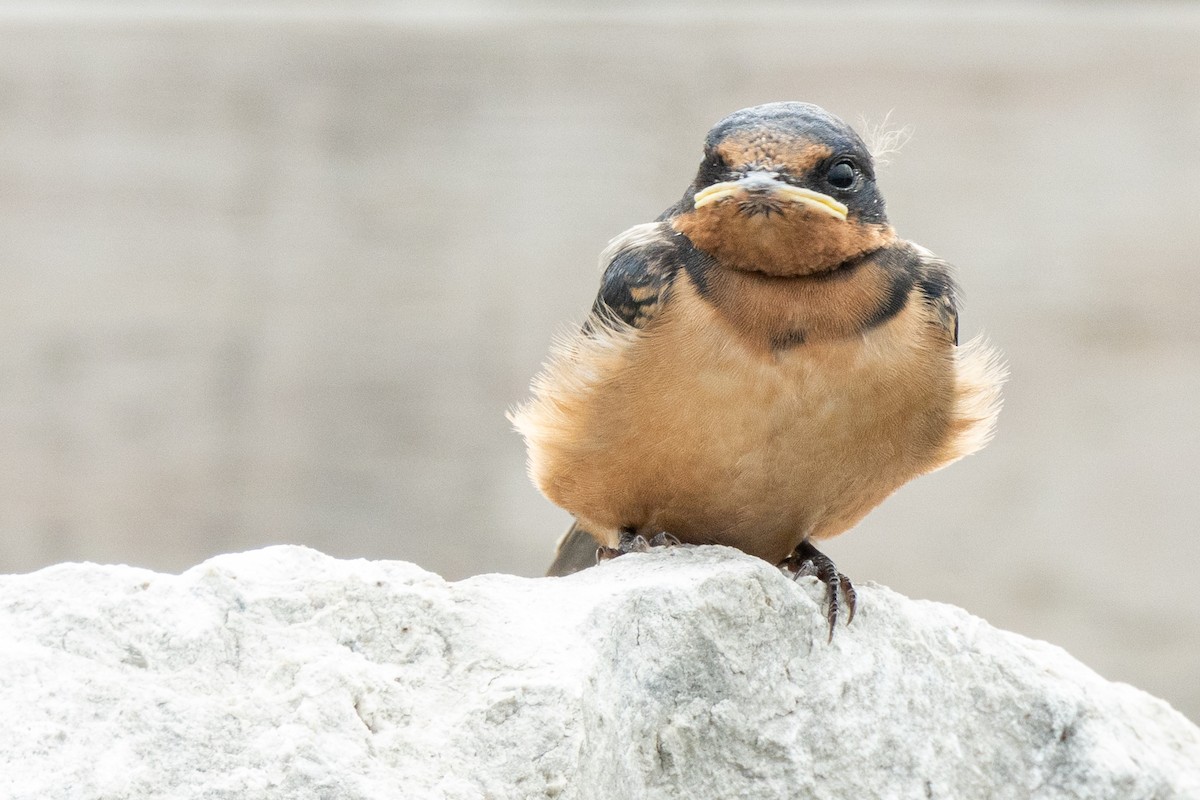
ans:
(696, 434)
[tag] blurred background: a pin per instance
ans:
(274, 274)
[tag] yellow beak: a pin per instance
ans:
(760, 183)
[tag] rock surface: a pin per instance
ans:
(694, 673)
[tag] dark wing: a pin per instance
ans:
(936, 281)
(576, 551)
(640, 265)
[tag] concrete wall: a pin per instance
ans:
(275, 275)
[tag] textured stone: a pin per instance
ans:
(697, 673)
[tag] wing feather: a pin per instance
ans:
(639, 267)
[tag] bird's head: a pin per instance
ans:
(785, 189)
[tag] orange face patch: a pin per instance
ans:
(772, 150)
(795, 240)
(782, 236)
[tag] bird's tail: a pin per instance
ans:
(576, 551)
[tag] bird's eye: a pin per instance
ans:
(842, 175)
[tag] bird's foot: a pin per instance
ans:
(808, 560)
(633, 542)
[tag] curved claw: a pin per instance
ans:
(605, 553)
(664, 539)
(808, 560)
(851, 596)
(633, 542)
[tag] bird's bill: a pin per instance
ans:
(777, 189)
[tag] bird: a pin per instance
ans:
(764, 363)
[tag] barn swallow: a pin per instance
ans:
(763, 365)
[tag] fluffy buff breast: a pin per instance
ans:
(683, 426)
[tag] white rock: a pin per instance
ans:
(693, 673)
